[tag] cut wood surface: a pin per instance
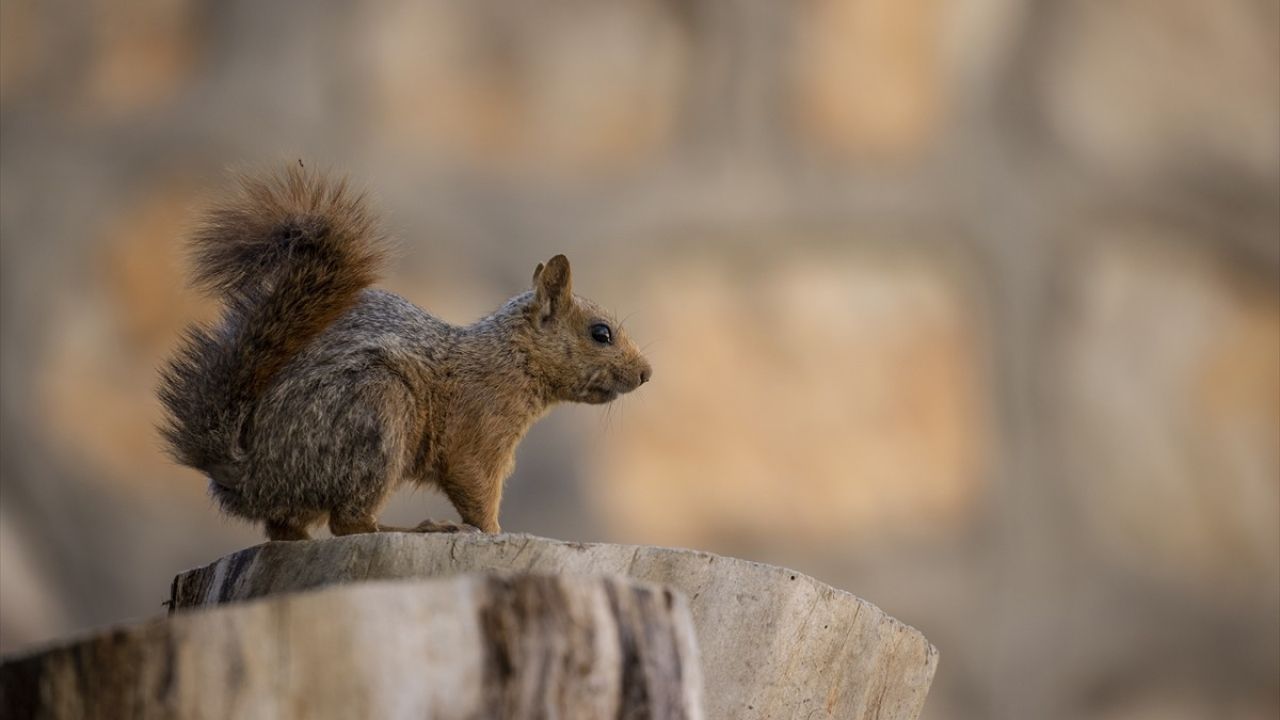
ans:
(476, 646)
(775, 643)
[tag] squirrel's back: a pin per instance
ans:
(288, 254)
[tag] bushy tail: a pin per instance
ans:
(288, 254)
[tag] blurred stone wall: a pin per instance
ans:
(971, 308)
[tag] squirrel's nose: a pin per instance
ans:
(645, 374)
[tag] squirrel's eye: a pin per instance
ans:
(601, 334)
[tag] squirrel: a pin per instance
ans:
(315, 395)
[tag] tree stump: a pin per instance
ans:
(474, 646)
(774, 643)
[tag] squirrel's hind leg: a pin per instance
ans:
(444, 526)
(339, 525)
(374, 436)
(287, 530)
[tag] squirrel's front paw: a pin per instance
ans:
(444, 526)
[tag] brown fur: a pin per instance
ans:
(315, 396)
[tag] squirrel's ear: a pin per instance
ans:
(553, 285)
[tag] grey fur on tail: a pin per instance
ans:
(287, 254)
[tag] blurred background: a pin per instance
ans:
(971, 308)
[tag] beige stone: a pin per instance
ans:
(1169, 385)
(812, 396)
(509, 89)
(97, 385)
(1151, 86)
(868, 75)
(143, 54)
